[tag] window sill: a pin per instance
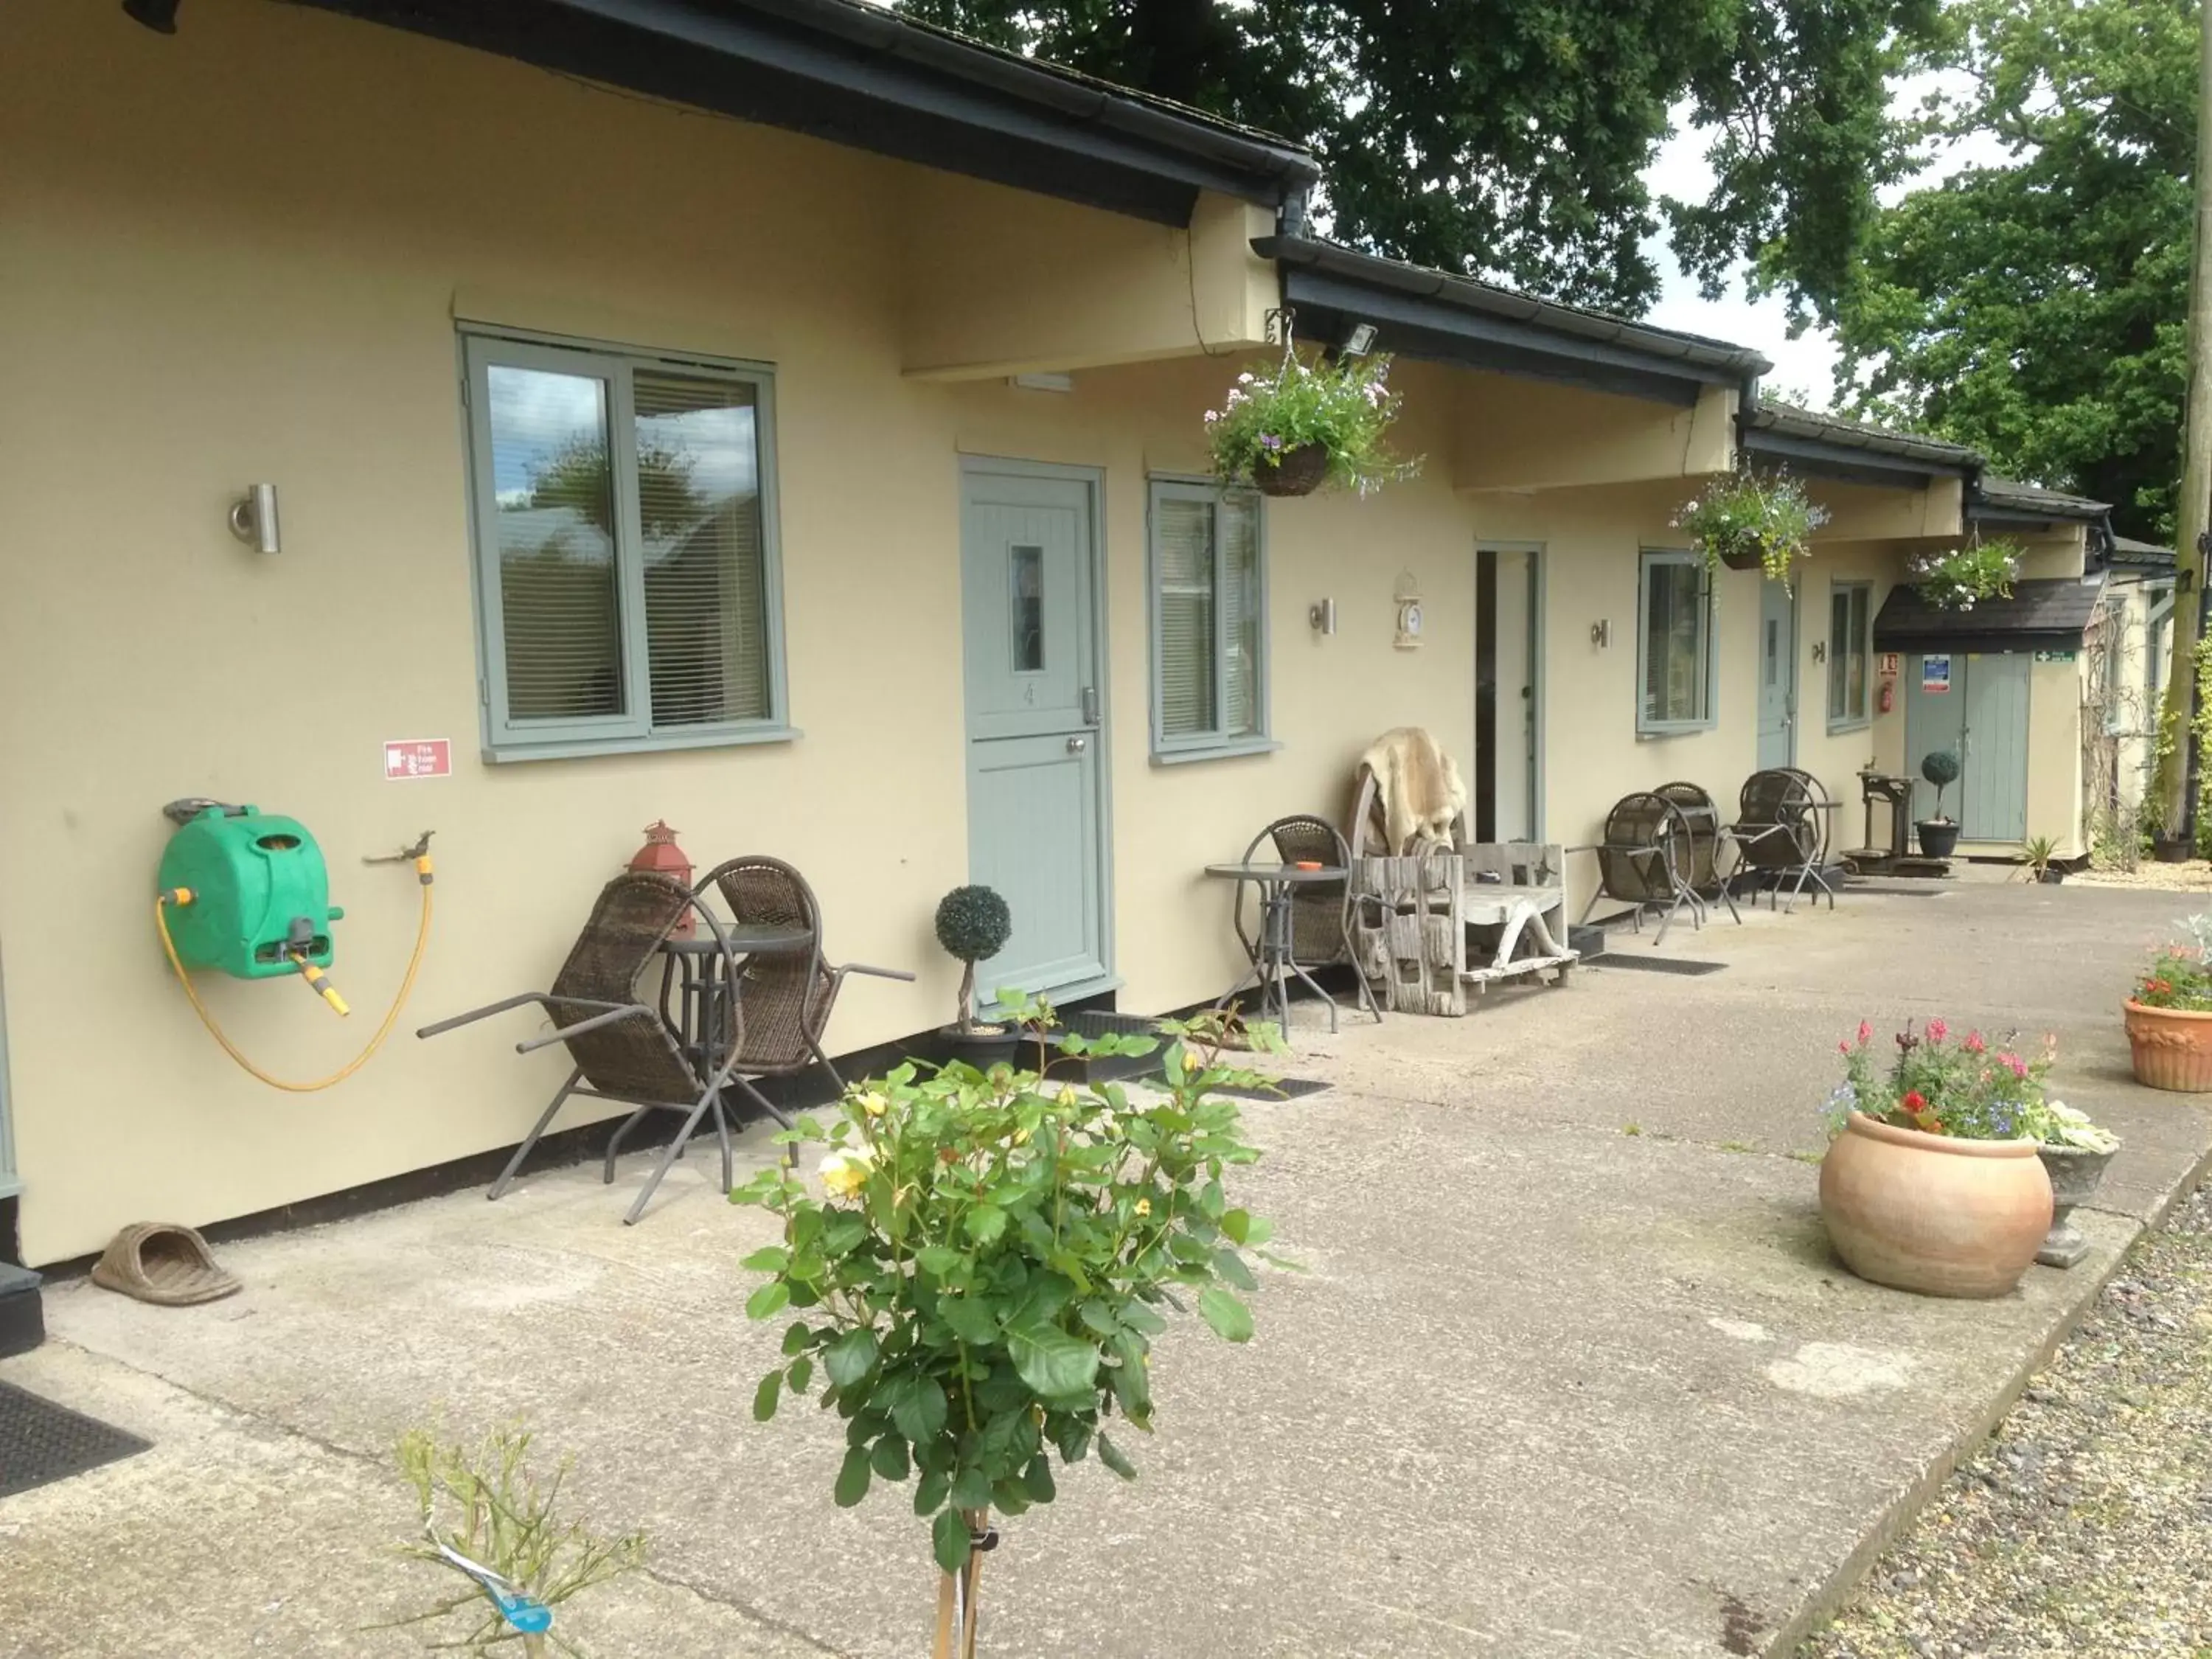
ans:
(585, 749)
(1241, 747)
(1860, 723)
(1661, 733)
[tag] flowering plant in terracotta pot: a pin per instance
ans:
(979, 1280)
(1932, 1181)
(1307, 423)
(2169, 1014)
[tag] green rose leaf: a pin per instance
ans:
(802, 1373)
(972, 1321)
(985, 1222)
(971, 1489)
(1110, 1456)
(1230, 1319)
(1036, 1479)
(853, 1479)
(772, 1259)
(853, 1356)
(948, 1538)
(1231, 1266)
(931, 1491)
(845, 1230)
(940, 1260)
(766, 1395)
(796, 1338)
(1054, 1363)
(769, 1299)
(889, 1458)
(920, 1412)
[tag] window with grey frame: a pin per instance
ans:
(1209, 620)
(1850, 653)
(1674, 644)
(625, 542)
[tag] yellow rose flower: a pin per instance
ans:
(1144, 1206)
(1191, 1063)
(1067, 1095)
(874, 1104)
(845, 1173)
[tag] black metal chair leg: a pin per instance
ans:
(668, 1158)
(530, 1139)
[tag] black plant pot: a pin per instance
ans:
(983, 1048)
(1740, 556)
(2051, 877)
(2170, 850)
(1939, 837)
(1298, 471)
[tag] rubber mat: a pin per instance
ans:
(41, 1442)
(1651, 964)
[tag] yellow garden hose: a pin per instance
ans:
(315, 981)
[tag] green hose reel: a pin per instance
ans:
(259, 900)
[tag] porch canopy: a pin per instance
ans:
(2043, 614)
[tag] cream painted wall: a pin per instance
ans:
(199, 290)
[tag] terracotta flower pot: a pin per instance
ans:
(1299, 472)
(1934, 1213)
(2173, 1047)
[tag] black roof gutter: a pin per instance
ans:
(1432, 314)
(862, 76)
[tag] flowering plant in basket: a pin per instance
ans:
(1746, 521)
(1971, 1089)
(1305, 410)
(978, 1285)
(1956, 579)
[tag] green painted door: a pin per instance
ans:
(1035, 795)
(1976, 708)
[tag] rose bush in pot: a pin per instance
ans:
(1932, 1181)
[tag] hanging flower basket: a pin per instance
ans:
(1299, 472)
(1746, 522)
(1308, 424)
(1956, 579)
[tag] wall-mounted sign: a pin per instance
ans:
(1934, 675)
(2054, 656)
(1889, 664)
(418, 757)
(1407, 595)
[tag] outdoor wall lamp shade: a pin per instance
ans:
(1602, 633)
(158, 16)
(1360, 340)
(253, 519)
(1323, 614)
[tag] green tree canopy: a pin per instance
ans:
(1509, 138)
(2035, 308)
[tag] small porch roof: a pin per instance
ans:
(2147, 558)
(1433, 314)
(864, 76)
(2049, 613)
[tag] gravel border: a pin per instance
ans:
(2083, 1526)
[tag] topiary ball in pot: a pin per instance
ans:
(1938, 835)
(973, 924)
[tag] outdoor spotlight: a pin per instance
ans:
(1360, 341)
(253, 519)
(158, 16)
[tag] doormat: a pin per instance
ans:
(1651, 964)
(1931, 888)
(1285, 1088)
(41, 1442)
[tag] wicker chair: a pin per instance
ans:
(1319, 933)
(1701, 815)
(784, 996)
(622, 1046)
(1646, 861)
(1781, 831)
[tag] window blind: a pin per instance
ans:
(1183, 531)
(699, 511)
(560, 604)
(1238, 521)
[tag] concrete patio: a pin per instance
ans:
(1570, 1371)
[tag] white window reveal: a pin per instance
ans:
(625, 544)
(1209, 623)
(1850, 653)
(1674, 666)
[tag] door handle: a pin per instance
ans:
(1077, 745)
(1090, 705)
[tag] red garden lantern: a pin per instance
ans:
(661, 856)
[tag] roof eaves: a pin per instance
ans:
(1856, 440)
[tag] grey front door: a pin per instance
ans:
(1976, 708)
(1035, 804)
(1777, 675)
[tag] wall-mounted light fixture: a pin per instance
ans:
(1602, 633)
(1042, 380)
(253, 519)
(1360, 341)
(1322, 616)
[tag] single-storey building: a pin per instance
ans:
(786, 421)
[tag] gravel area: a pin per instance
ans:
(2083, 1527)
(2194, 876)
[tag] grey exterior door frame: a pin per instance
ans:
(1532, 716)
(8, 1183)
(1092, 481)
(1984, 718)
